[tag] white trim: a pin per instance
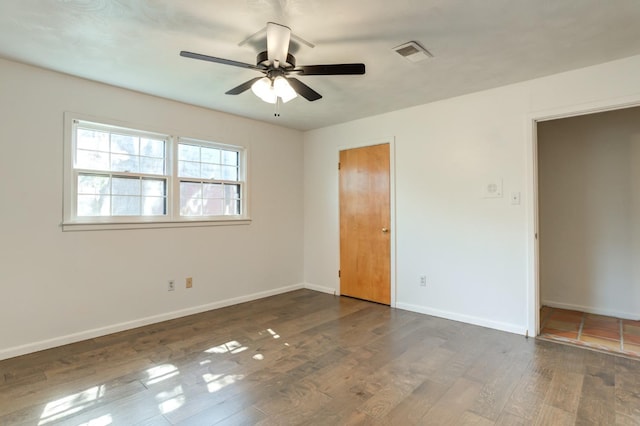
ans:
(322, 289)
(531, 182)
(391, 140)
(149, 225)
(532, 119)
(482, 322)
(592, 310)
(114, 328)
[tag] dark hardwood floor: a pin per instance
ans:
(311, 358)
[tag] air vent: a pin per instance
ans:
(413, 52)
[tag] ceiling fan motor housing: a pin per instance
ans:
(263, 60)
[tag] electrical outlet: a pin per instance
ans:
(423, 280)
(189, 282)
(171, 286)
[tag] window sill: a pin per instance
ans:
(103, 226)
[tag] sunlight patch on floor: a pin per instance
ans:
(215, 382)
(171, 400)
(71, 404)
(100, 421)
(233, 347)
(161, 373)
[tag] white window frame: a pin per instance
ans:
(72, 222)
(242, 176)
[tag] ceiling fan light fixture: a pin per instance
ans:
(283, 89)
(264, 90)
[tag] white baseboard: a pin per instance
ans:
(483, 322)
(592, 310)
(322, 289)
(102, 331)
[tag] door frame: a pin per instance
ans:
(392, 205)
(532, 208)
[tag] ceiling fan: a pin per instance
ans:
(277, 65)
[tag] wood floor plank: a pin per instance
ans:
(454, 403)
(497, 387)
(530, 392)
(554, 416)
(311, 358)
(412, 409)
(597, 400)
(564, 391)
(246, 417)
(471, 419)
(508, 419)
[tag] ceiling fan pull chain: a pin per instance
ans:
(277, 107)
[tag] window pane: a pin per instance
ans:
(210, 155)
(231, 207)
(125, 205)
(213, 190)
(229, 173)
(230, 158)
(188, 169)
(153, 206)
(188, 152)
(155, 187)
(190, 199)
(210, 171)
(190, 190)
(152, 166)
(92, 184)
(190, 206)
(123, 144)
(92, 160)
(93, 205)
(93, 140)
(125, 186)
(124, 163)
(152, 148)
(232, 191)
(213, 207)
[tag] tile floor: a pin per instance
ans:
(594, 331)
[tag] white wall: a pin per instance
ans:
(64, 286)
(476, 252)
(589, 188)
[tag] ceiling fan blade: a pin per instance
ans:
(333, 69)
(278, 37)
(219, 60)
(303, 90)
(243, 87)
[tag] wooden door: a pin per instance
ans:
(365, 234)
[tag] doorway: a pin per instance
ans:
(588, 169)
(365, 223)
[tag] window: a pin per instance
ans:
(209, 179)
(123, 175)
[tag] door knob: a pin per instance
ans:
(385, 230)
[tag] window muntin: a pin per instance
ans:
(125, 175)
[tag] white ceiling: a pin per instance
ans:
(477, 44)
